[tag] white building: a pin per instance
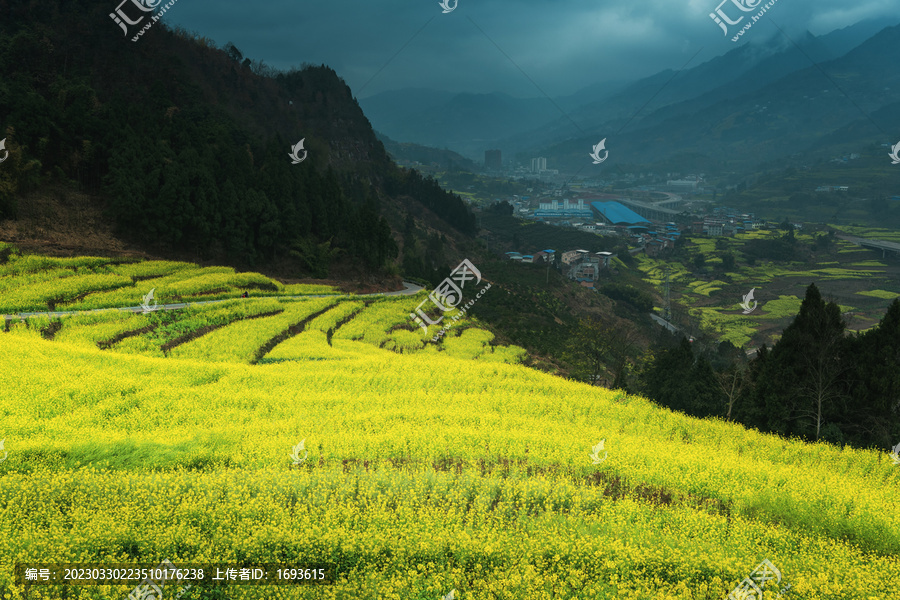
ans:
(564, 205)
(682, 184)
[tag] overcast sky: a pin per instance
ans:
(524, 48)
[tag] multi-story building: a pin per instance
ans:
(572, 256)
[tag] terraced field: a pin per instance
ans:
(134, 438)
(30, 283)
(249, 330)
(860, 284)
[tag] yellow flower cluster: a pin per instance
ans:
(426, 472)
(336, 315)
(57, 291)
(35, 283)
(243, 340)
(380, 317)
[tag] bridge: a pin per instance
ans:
(882, 245)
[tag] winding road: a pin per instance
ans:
(409, 290)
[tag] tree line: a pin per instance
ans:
(818, 382)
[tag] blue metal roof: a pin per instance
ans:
(618, 214)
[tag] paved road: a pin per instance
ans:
(409, 290)
(883, 245)
(664, 323)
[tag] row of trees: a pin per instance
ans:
(817, 382)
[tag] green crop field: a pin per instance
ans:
(854, 279)
(135, 438)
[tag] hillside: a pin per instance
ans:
(174, 148)
(417, 474)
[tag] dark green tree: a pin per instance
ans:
(699, 261)
(728, 261)
(872, 417)
(802, 384)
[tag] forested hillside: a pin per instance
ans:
(816, 383)
(186, 145)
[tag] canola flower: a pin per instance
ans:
(431, 472)
(31, 283)
(242, 341)
(469, 495)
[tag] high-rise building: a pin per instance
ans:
(538, 165)
(492, 160)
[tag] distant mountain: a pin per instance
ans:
(407, 152)
(465, 123)
(797, 113)
(740, 71)
(472, 123)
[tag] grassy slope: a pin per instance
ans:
(425, 473)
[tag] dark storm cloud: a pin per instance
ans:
(485, 46)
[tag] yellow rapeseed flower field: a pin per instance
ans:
(427, 471)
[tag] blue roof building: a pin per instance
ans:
(618, 214)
